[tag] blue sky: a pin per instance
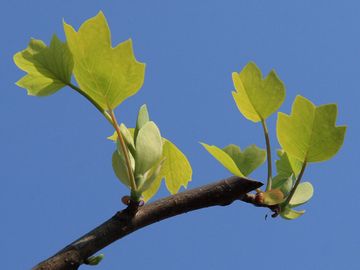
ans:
(56, 177)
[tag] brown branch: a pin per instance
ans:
(221, 193)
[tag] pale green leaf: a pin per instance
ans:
(120, 168)
(108, 75)
(248, 160)
(48, 68)
(149, 148)
(152, 189)
(303, 194)
(176, 169)
(128, 138)
(150, 177)
(287, 165)
(257, 98)
(142, 119)
(224, 158)
(289, 213)
(309, 134)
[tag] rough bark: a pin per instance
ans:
(132, 218)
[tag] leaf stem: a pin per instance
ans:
(268, 155)
(125, 152)
(100, 109)
(288, 199)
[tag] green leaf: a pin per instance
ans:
(176, 169)
(152, 189)
(284, 183)
(127, 138)
(289, 213)
(303, 194)
(108, 75)
(149, 148)
(48, 68)
(287, 165)
(142, 119)
(120, 168)
(224, 158)
(255, 97)
(273, 196)
(150, 177)
(248, 160)
(309, 134)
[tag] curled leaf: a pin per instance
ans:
(303, 194)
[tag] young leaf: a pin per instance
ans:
(273, 196)
(303, 194)
(119, 167)
(287, 165)
(150, 177)
(309, 134)
(289, 213)
(142, 119)
(108, 75)
(149, 148)
(284, 183)
(224, 158)
(48, 68)
(255, 97)
(248, 160)
(176, 169)
(128, 138)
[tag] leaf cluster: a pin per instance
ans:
(107, 76)
(309, 134)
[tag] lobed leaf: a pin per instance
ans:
(108, 75)
(249, 159)
(224, 159)
(309, 133)
(48, 68)
(255, 97)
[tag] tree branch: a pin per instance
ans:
(132, 218)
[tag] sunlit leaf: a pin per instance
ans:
(142, 119)
(149, 148)
(257, 97)
(303, 194)
(48, 68)
(175, 170)
(119, 167)
(309, 134)
(248, 160)
(287, 165)
(108, 75)
(224, 158)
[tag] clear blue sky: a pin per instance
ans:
(56, 177)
